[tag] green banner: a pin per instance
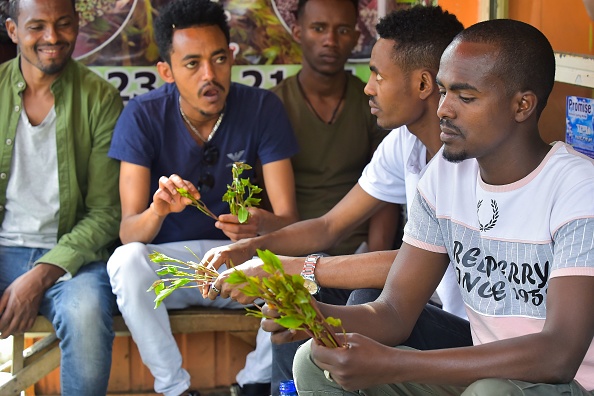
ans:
(132, 81)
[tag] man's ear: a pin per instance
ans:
(164, 70)
(11, 28)
(524, 104)
(426, 81)
(296, 32)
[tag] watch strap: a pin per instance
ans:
(309, 266)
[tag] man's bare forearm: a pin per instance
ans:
(47, 274)
(357, 271)
(297, 239)
(142, 227)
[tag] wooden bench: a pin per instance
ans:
(32, 364)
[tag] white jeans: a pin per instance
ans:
(131, 274)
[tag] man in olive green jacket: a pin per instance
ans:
(59, 202)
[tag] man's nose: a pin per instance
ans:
(50, 35)
(444, 110)
(369, 88)
(209, 72)
(331, 38)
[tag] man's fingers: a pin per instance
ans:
(213, 291)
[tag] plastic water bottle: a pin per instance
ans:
(287, 388)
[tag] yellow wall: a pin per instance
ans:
(466, 10)
(569, 29)
(565, 23)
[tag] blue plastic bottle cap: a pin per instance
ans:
(287, 388)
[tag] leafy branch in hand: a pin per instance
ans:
(287, 294)
(235, 195)
(237, 191)
(196, 202)
(179, 277)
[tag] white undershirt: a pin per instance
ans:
(32, 197)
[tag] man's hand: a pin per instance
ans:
(20, 302)
(251, 267)
(167, 200)
(232, 255)
(343, 365)
(279, 334)
(235, 231)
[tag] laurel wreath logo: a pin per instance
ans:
(493, 220)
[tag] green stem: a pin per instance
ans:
(202, 207)
(329, 330)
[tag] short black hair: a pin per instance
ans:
(301, 6)
(14, 9)
(525, 58)
(183, 14)
(421, 34)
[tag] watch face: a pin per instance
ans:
(311, 286)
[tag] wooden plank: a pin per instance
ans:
(141, 378)
(574, 69)
(30, 391)
(211, 356)
(211, 320)
(236, 351)
(119, 377)
(45, 363)
(51, 382)
(199, 352)
(223, 360)
(31, 354)
(18, 361)
(249, 337)
(190, 320)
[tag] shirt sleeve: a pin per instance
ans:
(574, 249)
(383, 177)
(422, 229)
(131, 142)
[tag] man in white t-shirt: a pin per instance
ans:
(513, 214)
(406, 101)
(403, 95)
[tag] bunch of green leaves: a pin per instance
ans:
(178, 274)
(290, 298)
(196, 202)
(240, 194)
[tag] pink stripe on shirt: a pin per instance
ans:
(487, 329)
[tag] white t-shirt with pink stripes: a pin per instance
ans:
(507, 241)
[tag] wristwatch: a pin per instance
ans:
(308, 273)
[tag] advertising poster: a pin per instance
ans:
(580, 124)
(116, 40)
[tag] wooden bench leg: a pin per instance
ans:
(18, 344)
(32, 364)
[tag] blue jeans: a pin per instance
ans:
(81, 310)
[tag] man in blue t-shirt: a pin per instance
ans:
(188, 133)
